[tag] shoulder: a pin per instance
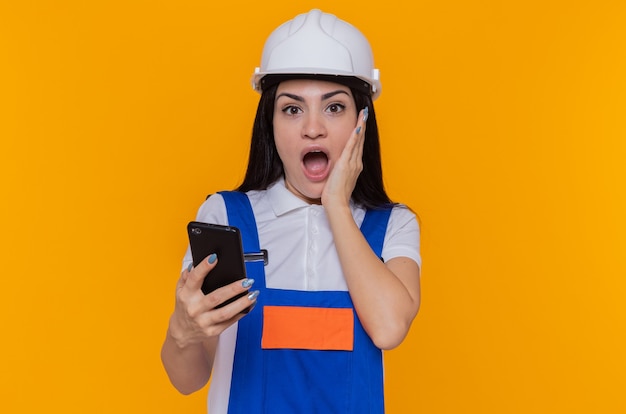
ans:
(402, 215)
(403, 235)
(213, 210)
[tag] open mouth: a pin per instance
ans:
(315, 163)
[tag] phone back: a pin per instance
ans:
(225, 241)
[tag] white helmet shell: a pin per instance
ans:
(318, 43)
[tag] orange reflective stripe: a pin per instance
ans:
(294, 327)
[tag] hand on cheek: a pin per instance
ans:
(342, 179)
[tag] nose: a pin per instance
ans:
(314, 126)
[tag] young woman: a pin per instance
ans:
(342, 282)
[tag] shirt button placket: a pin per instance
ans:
(310, 256)
(313, 247)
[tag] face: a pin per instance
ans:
(313, 120)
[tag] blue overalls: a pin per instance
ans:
(295, 381)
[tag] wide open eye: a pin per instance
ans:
(292, 110)
(335, 108)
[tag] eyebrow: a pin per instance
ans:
(301, 99)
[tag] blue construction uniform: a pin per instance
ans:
(296, 381)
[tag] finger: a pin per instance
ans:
(244, 304)
(225, 293)
(216, 329)
(354, 146)
(349, 151)
(197, 274)
(184, 275)
(181, 281)
(363, 119)
(216, 322)
(232, 311)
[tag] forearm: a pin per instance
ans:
(385, 295)
(188, 367)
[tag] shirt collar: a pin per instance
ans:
(282, 200)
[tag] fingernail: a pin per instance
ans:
(253, 295)
(366, 113)
(190, 267)
(358, 130)
(247, 283)
(212, 258)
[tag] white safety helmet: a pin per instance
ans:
(317, 43)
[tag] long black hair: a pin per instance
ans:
(265, 166)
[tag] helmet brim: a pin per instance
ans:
(353, 82)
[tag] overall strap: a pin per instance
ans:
(374, 227)
(240, 215)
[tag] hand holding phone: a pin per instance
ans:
(225, 241)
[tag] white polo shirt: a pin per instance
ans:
(302, 256)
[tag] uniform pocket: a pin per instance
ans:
(312, 328)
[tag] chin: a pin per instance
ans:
(313, 197)
(310, 192)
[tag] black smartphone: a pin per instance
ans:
(225, 241)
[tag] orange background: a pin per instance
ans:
(502, 125)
